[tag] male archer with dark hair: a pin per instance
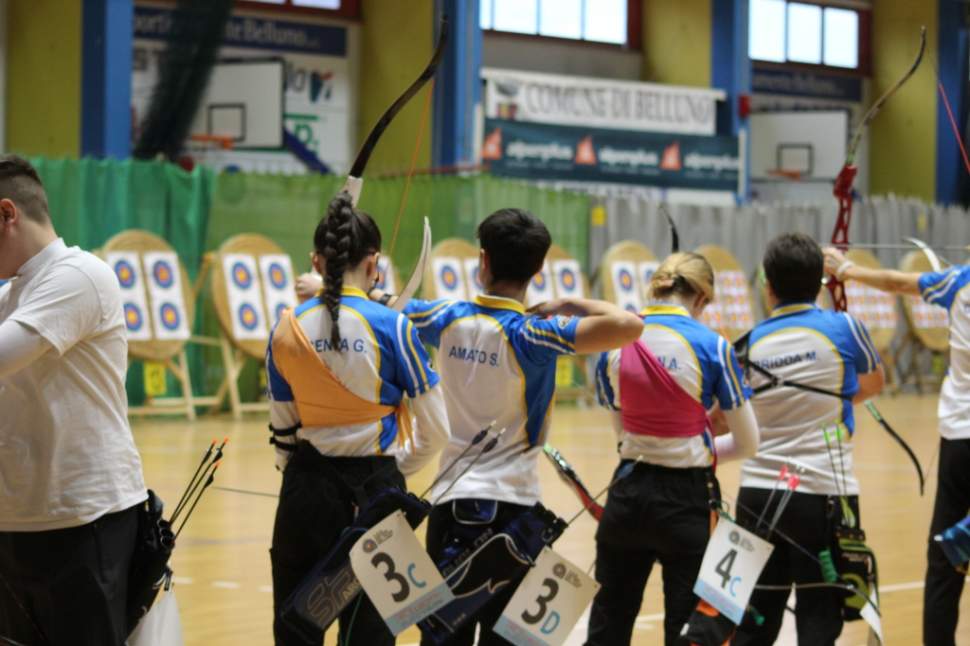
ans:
(498, 362)
(831, 353)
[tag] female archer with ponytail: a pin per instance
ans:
(343, 239)
(339, 368)
(661, 390)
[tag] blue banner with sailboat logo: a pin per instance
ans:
(542, 151)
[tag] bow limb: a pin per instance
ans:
(843, 183)
(355, 179)
(899, 439)
(568, 475)
(674, 234)
(411, 287)
(927, 250)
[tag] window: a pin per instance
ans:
(602, 21)
(342, 8)
(785, 31)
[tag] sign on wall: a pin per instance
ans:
(541, 151)
(597, 103)
(319, 101)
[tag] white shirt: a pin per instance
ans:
(949, 289)
(497, 363)
(815, 347)
(67, 456)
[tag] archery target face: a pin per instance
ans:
(926, 316)
(732, 309)
(386, 270)
(127, 268)
(568, 277)
(448, 279)
(276, 273)
(134, 318)
(626, 287)
(473, 272)
(169, 316)
(245, 298)
(242, 275)
(248, 317)
(540, 289)
(645, 270)
(163, 273)
(125, 273)
(876, 309)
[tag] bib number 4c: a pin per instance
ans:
(732, 564)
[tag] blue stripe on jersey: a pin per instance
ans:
(941, 288)
(279, 389)
(604, 389)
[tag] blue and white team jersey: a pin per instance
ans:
(496, 363)
(949, 289)
(381, 360)
(815, 347)
(701, 361)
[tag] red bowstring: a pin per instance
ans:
(953, 125)
(414, 162)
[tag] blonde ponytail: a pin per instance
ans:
(683, 274)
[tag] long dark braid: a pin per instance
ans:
(344, 237)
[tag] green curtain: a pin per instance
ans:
(287, 209)
(92, 200)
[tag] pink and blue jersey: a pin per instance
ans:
(699, 361)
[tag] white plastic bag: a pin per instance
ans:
(161, 626)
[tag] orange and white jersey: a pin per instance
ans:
(380, 361)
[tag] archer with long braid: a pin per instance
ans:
(340, 367)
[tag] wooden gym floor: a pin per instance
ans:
(222, 566)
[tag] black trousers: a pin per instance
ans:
(455, 525)
(318, 499)
(654, 514)
(68, 586)
(944, 585)
(809, 520)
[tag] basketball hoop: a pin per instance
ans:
(209, 142)
(203, 147)
(785, 173)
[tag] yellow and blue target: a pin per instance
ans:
(277, 276)
(539, 281)
(449, 277)
(241, 276)
(163, 273)
(125, 273)
(248, 317)
(133, 317)
(568, 278)
(170, 316)
(280, 308)
(626, 280)
(477, 278)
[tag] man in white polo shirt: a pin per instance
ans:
(70, 476)
(944, 584)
